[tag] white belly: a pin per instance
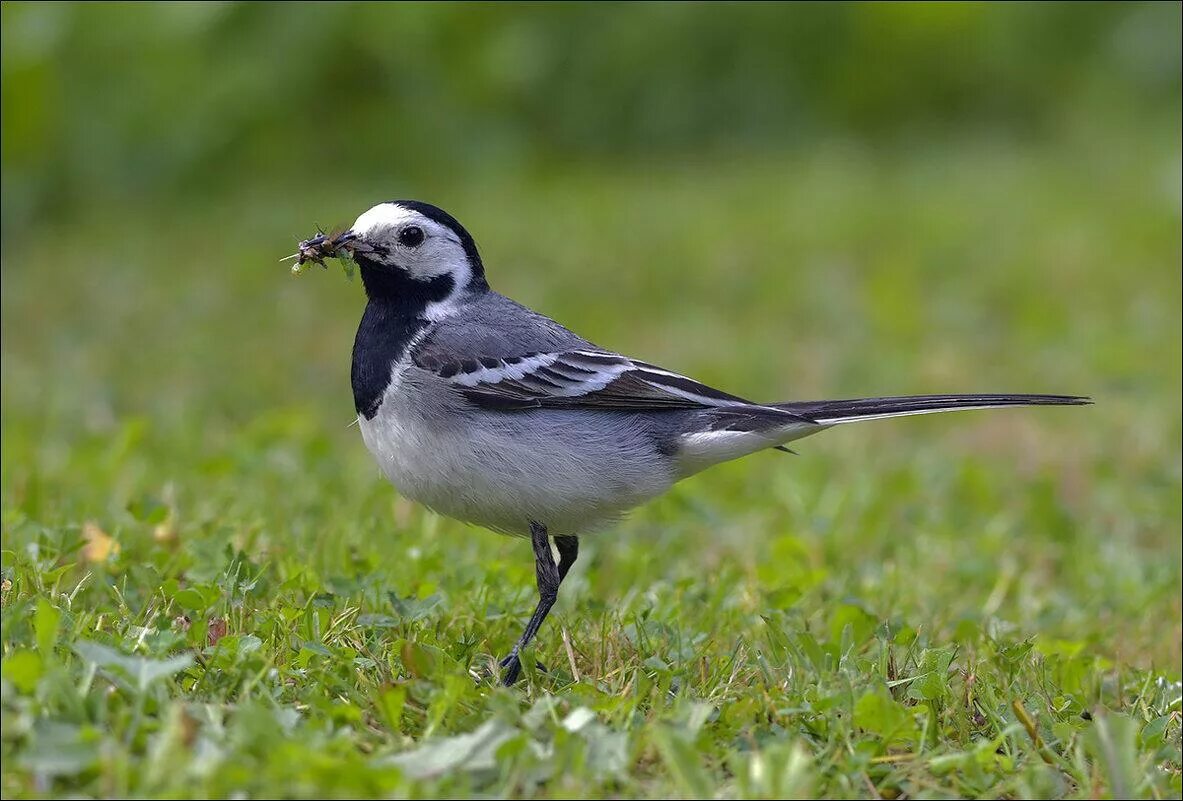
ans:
(570, 470)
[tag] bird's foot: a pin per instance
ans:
(513, 668)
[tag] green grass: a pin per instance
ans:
(985, 604)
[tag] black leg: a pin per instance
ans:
(549, 577)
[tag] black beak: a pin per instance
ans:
(346, 240)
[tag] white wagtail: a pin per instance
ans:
(488, 412)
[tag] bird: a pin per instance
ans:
(488, 412)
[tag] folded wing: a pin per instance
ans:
(573, 379)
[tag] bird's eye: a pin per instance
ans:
(411, 236)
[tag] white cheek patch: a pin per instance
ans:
(441, 254)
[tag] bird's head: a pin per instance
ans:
(408, 246)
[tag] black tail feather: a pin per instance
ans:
(840, 411)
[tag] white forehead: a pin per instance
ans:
(391, 216)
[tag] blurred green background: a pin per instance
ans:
(788, 200)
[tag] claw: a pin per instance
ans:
(513, 669)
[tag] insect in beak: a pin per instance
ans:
(338, 245)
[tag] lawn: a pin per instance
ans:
(208, 590)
